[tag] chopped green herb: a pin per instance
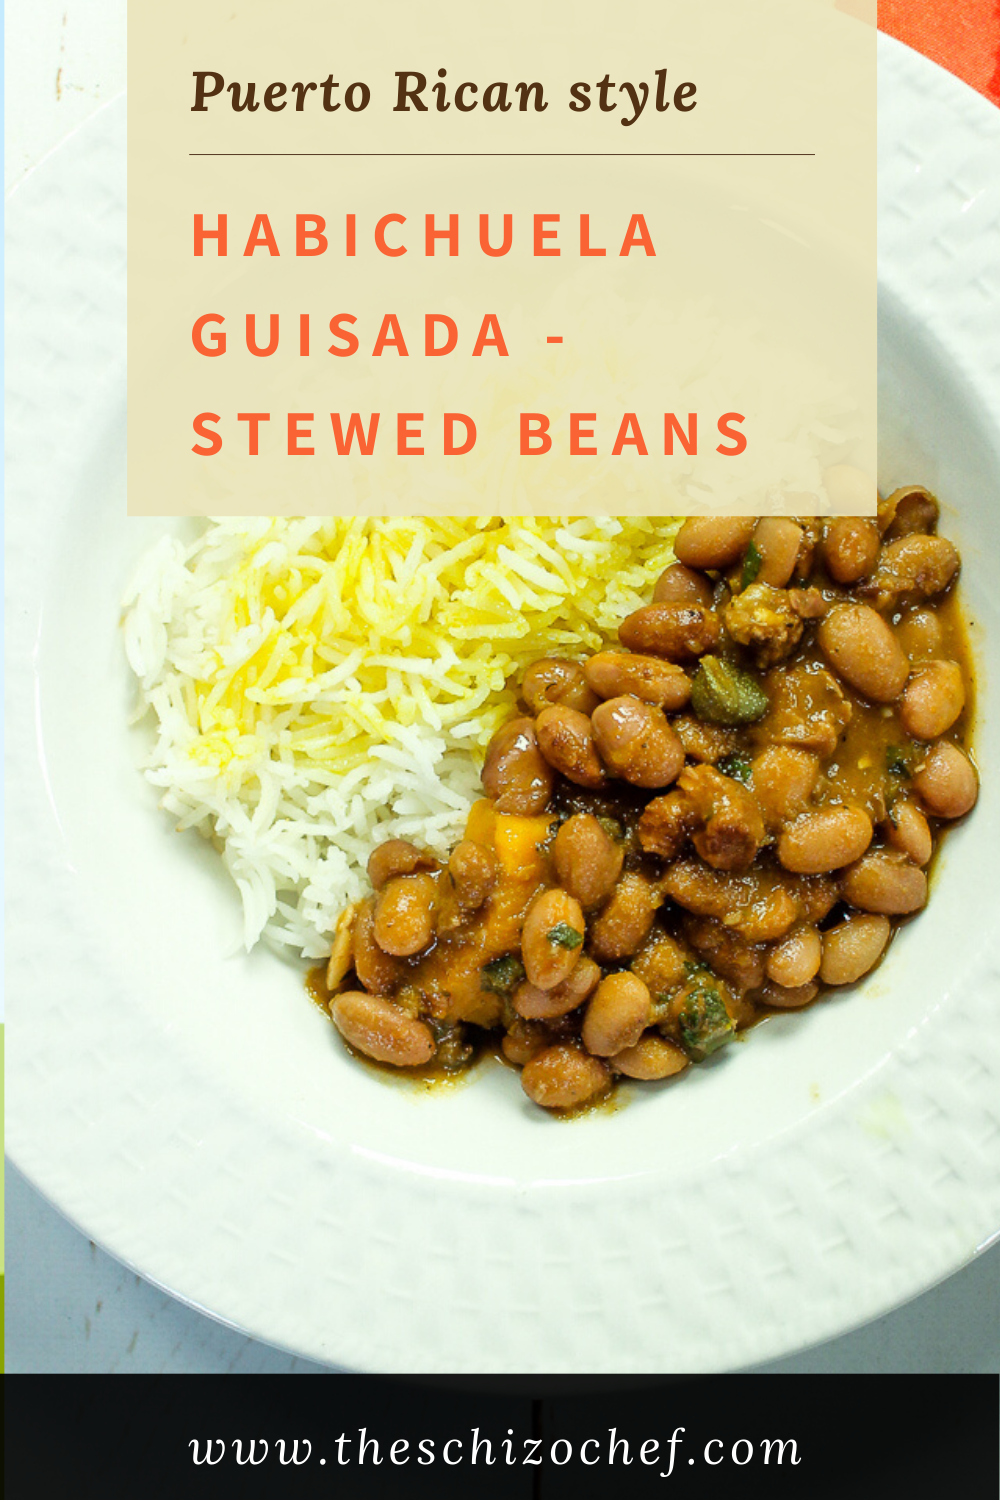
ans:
(895, 762)
(502, 975)
(694, 966)
(565, 936)
(705, 1023)
(723, 694)
(751, 566)
(736, 767)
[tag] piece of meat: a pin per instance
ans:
(728, 826)
(759, 905)
(705, 742)
(808, 604)
(809, 710)
(660, 963)
(729, 954)
(764, 620)
(665, 825)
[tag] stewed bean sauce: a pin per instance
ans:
(729, 814)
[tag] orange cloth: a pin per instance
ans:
(962, 35)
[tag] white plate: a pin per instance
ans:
(192, 1112)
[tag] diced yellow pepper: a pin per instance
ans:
(481, 824)
(516, 841)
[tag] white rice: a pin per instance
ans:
(408, 720)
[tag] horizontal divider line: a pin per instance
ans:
(501, 153)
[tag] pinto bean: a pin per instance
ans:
(850, 548)
(885, 881)
(783, 780)
(907, 510)
(612, 674)
(933, 700)
(768, 918)
(377, 970)
(713, 541)
(552, 681)
(625, 922)
(397, 857)
(636, 741)
(919, 566)
(853, 947)
(545, 1005)
(566, 739)
(473, 869)
(652, 1057)
(563, 1077)
(859, 645)
(517, 775)
(381, 1030)
(825, 840)
(796, 959)
(778, 541)
(920, 634)
(946, 782)
(524, 1040)
(404, 915)
(552, 938)
(907, 829)
(676, 631)
(617, 1015)
(681, 585)
(784, 997)
(587, 861)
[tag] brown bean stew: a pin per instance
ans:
(728, 815)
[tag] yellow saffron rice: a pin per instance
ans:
(319, 684)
